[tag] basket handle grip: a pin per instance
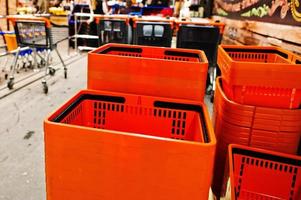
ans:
(187, 107)
(14, 19)
(296, 59)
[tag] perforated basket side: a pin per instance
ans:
(160, 122)
(165, 54)
(260, 174)
(257, 57)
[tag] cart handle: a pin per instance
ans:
(14, 19)
(112, 17)
(135, 20)
(220, 25)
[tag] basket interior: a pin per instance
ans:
(161, 122)
(265, 177)
(260, 57)
(166, 55)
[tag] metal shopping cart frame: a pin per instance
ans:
(10, 48)
(35, 40)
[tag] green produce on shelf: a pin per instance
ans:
(221, 12)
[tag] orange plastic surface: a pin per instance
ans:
(11, 42)
(267, 128)
(125, 18)
(259, 76)
(261, 174)
(131, 149)
(145, 70)
(208, 22)
(153, 19)
(13, 19)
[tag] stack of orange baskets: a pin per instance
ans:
(140, 130)
(257, 103)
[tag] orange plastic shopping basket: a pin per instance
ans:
(262, 174)
(261, 76)
(268, 128)
(154, 71)
(105, 145)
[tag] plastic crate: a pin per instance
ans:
(260, 76)
(267, 128)
(153, 31)
(113, 29)
(105, 145)
(261, 174)
(154, 71)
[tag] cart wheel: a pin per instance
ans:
(51, 71)
(43, 63)
(45, 88)
(65, 74)
(10, 84)
(30, 64)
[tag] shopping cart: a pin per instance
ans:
(153, 31)
(113, 29)
(203, 34)
(8, 45)
(36, 33)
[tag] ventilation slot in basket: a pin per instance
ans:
(178, 125)
(129, 54)
(248, 164)
(176, 58)
(259, 57)
(100, 112)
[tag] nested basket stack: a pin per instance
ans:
(140, 130)
(257, 104)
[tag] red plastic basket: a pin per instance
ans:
(262, 174)
(154, 71)
(108, 145)
(261, 76)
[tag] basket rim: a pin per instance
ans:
(202, 59)
(210, 133)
